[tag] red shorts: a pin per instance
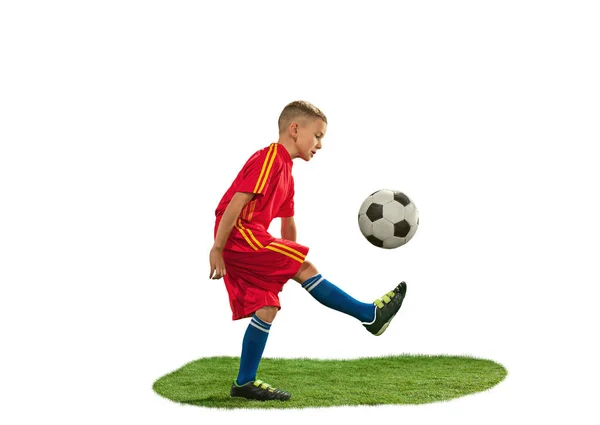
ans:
(257, 266)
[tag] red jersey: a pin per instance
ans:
(267, 174)
(258, 264)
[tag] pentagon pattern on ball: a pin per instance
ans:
(375, 241)
(401, 228)
(401, 197)
(374, 212)
(388, 218)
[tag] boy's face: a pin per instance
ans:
(308, 137)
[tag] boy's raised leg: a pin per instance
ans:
(375, 317)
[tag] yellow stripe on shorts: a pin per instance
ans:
(292, 250)
(272, 248)
(242, 228)
(243, 233)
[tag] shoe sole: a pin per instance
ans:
(385, 326)
(250, 397)
(259, 399)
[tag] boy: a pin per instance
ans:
(256, 265)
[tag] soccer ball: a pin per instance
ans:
(388, 218)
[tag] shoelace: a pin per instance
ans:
(264, 385)
(380, 303)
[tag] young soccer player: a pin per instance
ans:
(255, 265)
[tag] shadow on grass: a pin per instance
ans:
(406, 379)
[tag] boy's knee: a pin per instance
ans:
(307, 270)
(267, 314)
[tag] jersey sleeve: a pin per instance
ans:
(257, 173)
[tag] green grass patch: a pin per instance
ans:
(406, 379)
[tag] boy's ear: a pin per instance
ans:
(293, 128)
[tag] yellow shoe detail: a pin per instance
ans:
(264, 385)
(385, 299)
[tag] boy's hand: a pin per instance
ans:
(217, 264)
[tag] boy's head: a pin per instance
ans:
(303, 125)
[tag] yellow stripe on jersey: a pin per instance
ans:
(268, 169)
(300, 260)
(252, 204)
(264, 167)
(292, 250)
(245, 212)
(241, 230)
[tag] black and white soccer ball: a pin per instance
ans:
(388, 218)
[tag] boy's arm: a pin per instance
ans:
(231, 214)
(288, 228)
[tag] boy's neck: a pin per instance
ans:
(289, 146)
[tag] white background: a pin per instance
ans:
(122, 123)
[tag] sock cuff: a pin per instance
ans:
(374, 316)
(310, 283)
(260, 324)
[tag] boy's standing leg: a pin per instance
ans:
(253, 281)
(246, 385)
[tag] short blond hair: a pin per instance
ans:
(296, 110)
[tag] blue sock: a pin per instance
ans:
(253, 346)
(333, 297)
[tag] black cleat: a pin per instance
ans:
(258, 390)
(387, 307)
